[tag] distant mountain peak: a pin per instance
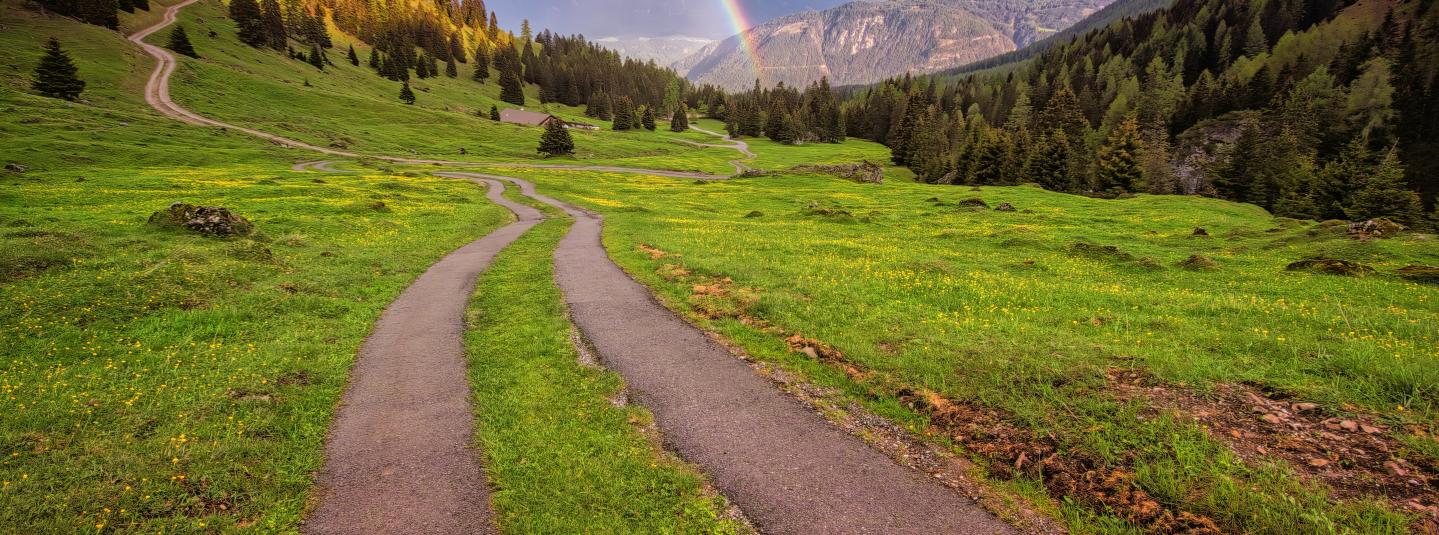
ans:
(868, 40)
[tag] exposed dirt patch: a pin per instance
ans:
(1012, 451)
(1199, 263)
(1417, 273)
(1353, 454)
(1331, 266)
(654, 254)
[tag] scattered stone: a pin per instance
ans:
(1375, 228)
(213, 221)
(864, 172)
(1349, 425)
(1305, 407)
(973, 203)
(15, 168)
(1200, 233)
(1319, 463)
(1199, 263)
(463, 151)
(1331, 266)
(1271, 418)
(379, 206)
(1004, 207)
(1394, 468)
(1369, 429)
(753, 173)
(1418, 273)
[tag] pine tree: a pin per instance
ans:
(274, 25)
(375, 59)
(482, 64)
(648, 121)
(315, 58)
(1385, 194)
(1050, 164)
(624, 117)
(451, 70)
(406, 95)
(1118, 168)
(680, 122)
(511, 90)
(180, 43)
(55, 77)
(556, 140)
(494, 113)
(250, 20)
(354, 59)
(457, 51)
(422, 68)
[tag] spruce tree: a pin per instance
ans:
(180, 42)
(648, 121)
(55, 77)
(406, 95)
(315, 58)
(556, 140)
(274, 25)
(1119, 168)
(1050, 164)
(457, 51)
(680, 122)
(422, 68)
(250, 20)
(624, 114)
(1385, 194)
(374, 59)
(511, 90)
(354, 59)
(451, 70)
(494, 113)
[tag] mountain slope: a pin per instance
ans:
(663, 50)
(862, 42)
(1100, 19)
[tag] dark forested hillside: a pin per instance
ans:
(1309, 108)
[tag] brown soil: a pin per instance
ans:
(1353, 454)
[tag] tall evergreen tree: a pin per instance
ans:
(680, 121)
(56, 76)
(494, 113)
(624, 118)
(648, 120)
(374, 59)
(451, 70)
(180, 42)
(1383, 193)
(315, 58)
(406, 95)
(556, 140)
(354, 58)
(511, 90)
(482, 64)
(1119, 159)
(274, 25)
(251, 22)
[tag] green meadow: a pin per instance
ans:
(159, 381)
(1001, 309)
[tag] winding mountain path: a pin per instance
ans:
(398, 457)
(739, 166)
(785, 466)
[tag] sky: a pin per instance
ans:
(643, 18)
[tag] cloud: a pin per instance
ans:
(638, 18)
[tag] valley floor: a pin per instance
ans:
(1073, 364)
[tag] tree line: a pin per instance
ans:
(1305, 107)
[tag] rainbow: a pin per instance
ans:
(741, 24)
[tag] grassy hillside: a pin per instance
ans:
(906, 291)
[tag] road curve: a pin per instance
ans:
(398, 455)
(157, 94)
(739, 166)
(787, 468)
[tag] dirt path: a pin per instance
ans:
(787, 468)
(320, 166)
(739, 166)
(157, 94)
(398, 457)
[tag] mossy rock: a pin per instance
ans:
(1418, 273)
(973, 203)
(753, 214)
(1331, 266)
(212, 221)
